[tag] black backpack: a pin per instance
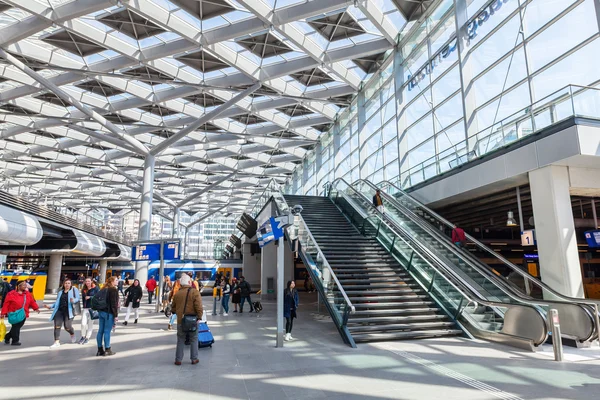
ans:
(100, 301)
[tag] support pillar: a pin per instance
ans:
(555, 230)
(268, 271)
(175, 230)
(102, 271)
(251, 264)
(54, 270)
(145, 226)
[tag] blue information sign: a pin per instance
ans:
(151, 251)
(593, 238)
(271, 230)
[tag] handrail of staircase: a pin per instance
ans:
(320, 253)
(395, 227)
(587, 302)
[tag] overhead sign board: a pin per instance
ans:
(528, 238)
(151, 251)
(593, 238)
(236, 241)
(264, 234)
(247, 225)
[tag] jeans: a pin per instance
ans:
(150, 295)
(87, 323)
(61, 318)
(225, 303)
(106, 322)
(15, 332)
(129, 310)
(244, 299)
(181, 335)
(173, 319)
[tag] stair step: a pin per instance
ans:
(396, 327)
(367, 286)
(399, 298)
(421, 334)
(393, 304)
(400, 311)
(404, 319)
(375, 292)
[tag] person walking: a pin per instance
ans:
(290, 305)
(187, 301)
(5, 288)
(245, 293)
(173, 319)
(13, 301)
(87, 323)
(151, 286)
(63, 313)
(120, 285)
(377, 202)
(225, 297)
(106, 302)
(134, 296)
(166, 289)
(458, 236)
(236, 297)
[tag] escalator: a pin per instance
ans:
(378, 283)
(579, 317)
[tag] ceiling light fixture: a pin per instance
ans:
(511, 220)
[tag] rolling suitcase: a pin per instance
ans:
(257, 306)
(205, 337)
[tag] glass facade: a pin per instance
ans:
(471, 76)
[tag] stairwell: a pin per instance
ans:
(389, 304)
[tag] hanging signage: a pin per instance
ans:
(593, 238)
(151, 251)
(470, 34)
(247, 225)
(528, 238)
(236, 241)
(264, 234)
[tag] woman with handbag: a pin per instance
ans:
(87, 314)
(187, 304)
(133, 295)
(16, 307)
(66, 307)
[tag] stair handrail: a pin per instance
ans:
(513, 267)
(513, 294)
(395, 227)
(320, 253)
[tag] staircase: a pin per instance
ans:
(389, 304)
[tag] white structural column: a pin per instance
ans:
(555, 230)
(175, 229)
(102, 273)
(251, 264)
(145, 227)
(54, 268)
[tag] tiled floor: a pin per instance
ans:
(243, 364)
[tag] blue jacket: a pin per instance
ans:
(72, 294)
(91, 293)
(290, 302)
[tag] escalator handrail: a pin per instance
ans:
(320, 253)
(395, 227)
(440, 264)
(513, 267)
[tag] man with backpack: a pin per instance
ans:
(245, 289)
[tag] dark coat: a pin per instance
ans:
(244, 288)
(290, 303)
(134, 295)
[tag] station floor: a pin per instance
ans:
(244, 364)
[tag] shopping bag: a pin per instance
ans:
(2, 330)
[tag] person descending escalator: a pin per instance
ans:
(458, 236)
(133, 297)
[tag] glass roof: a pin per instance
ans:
(149, 68)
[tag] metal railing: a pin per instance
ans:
(437, 269)
(569, 101)
(590, 306)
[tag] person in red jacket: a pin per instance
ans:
(151, 286)
(14, 301)
(458, 236)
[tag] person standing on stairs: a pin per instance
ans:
(458, 236)
(377, 202)
(290, 305)
(133, 295)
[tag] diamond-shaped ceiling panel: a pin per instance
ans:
(202, 61)
(131, 24)
(311, 77)
(249, 119)
(265, 45)
(158, 110)
(337, 26)
(370, 64)
(149, 75)
(72, 42)
(205, 9)
(204, 100)
(295, 110)
(52, 98)
(100, 88)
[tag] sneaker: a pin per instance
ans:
(225, 314)
(135, 322)
(170, 327)
(125, 323)
(85, 341)
(235, 311)
(81, 340)
(290, 336)
(286, 337)
(73, 340)
(55, 345)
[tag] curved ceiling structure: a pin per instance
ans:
(116, 81)
(18, 228)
